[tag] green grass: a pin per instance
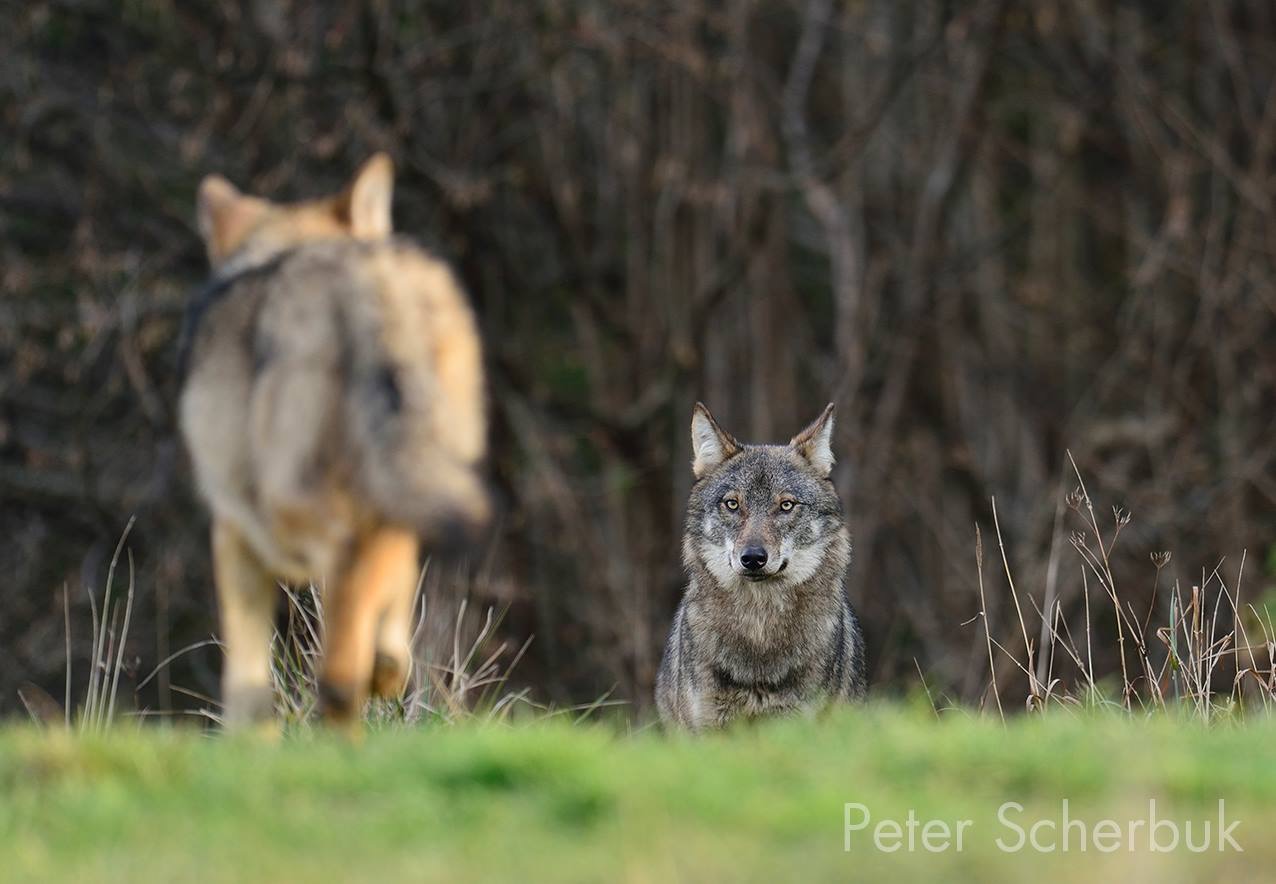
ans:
(552, 801)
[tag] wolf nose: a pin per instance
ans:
(753, 558)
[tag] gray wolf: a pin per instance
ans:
(764, 627)
(333, 408)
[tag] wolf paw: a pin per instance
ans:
(247, 707)
(341, 705)
(389, 676)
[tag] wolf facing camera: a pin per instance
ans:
(764, 627)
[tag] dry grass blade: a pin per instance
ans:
(119, 656)
(1185, 665)
(66, 625)
(983, 612)
(1033, 693)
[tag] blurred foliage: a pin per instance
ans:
(991, 231)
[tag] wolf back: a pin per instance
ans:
(335, 372)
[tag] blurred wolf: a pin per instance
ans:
(764, 627)
(333, 409)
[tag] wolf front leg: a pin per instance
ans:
(384, 562)
(246, 603)
(393, 660)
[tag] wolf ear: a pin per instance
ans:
(364, 206)
(814, 443)
(224, 215)
(710, 444)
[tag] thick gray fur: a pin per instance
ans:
(784, 640)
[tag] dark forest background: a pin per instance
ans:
(993, 232)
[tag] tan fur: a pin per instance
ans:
(231, 221)
(334, 413)
(380, 577)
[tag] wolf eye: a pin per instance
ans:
(786, 505)
(731, 503)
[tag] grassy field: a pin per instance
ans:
(551, 801)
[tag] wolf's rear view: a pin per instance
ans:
(333, 409)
